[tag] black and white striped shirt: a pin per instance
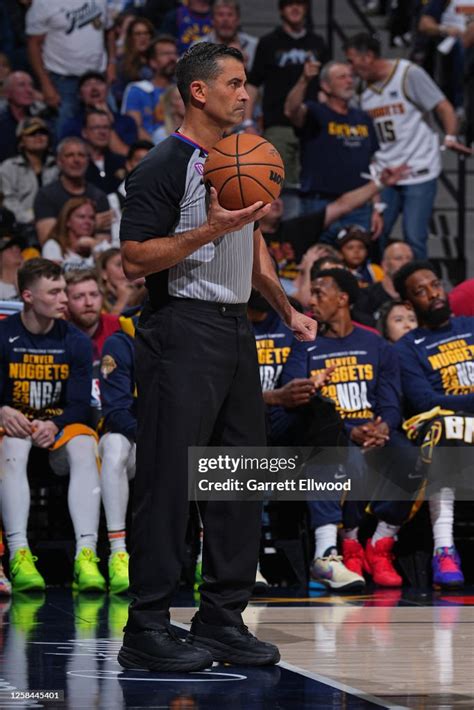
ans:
(166, 196)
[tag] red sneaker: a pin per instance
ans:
(379, 559)
(353, 556)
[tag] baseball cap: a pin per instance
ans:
(91, 75)
(30, 125)
(354, 231)
(11, 241)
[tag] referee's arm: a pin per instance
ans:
(142, 258)
(266, 281)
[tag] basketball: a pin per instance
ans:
(244, 169)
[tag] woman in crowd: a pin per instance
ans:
(173, 112)
(73, 242)
(132, 65)
(396, 319)
(119, 293)
(10, 261)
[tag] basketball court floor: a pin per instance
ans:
(384, 649)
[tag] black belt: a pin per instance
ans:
(229, 309)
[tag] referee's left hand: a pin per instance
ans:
(303, 327)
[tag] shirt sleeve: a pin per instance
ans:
(52, 250)
(37, 18)
(43, 206)
(133, 99)
(117, 387)
(257, 75)
(389, 387)
(296, 367)
(421, 89)
(154, 192)
(79, 384)
(418, 390)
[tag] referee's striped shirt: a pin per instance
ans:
(166, 196)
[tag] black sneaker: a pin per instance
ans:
(232, 644)
(161, 650)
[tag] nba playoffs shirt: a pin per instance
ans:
(48, 376)
(165, 196)
(366, 381)
(438, 366)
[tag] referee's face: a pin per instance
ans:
(225, 96)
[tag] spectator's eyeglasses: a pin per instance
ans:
(39, 132)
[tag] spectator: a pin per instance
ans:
(288, 240)
(64, 42)
(137, 152)
(133, 64)
(225, 18)
(338, 143)
(461, 299)
(395, 255)
(5, 71)
(72, 240)
(398, 95)
(188, 23)
(16, 49)
(106, 169)
(34, 167)
(437, 371)
(117, 446)
(279, 60)
(47, 408)
(119, 292)
(353, 242)
(395, 319)
(172, 110)
(141, 100)
(72, 160)
(447, 21)
(84, 304)
(20, 96)
(10, 261)
(362, 378)
(93, 95)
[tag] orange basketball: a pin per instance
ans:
(244, 169)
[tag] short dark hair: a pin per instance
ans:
(160, 39)
(403, 274)
(345, 281)
(138, 145)
(35, 269)
(363, 42)
(94, 112)
(79, 276)
(316, 268)
(200, 63)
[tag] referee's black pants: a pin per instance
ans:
(198, 384)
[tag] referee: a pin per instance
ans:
(197, 375)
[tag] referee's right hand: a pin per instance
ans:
(222, 221)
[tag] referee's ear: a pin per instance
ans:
(198, 91)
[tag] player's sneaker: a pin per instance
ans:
(87, 577)
(331, 572)
(24, 575)
(5, 584)
(446, 567)
(118, 572)
(379, 560)
(353, 557)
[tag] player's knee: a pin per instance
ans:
(114, 451)
(81, 448)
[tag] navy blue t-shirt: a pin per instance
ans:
(48, 376)
(366, 381)
(335, 149)
(274, 340)
(438, 366)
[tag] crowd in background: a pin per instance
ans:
(85, 94)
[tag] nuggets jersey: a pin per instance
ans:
(403, 131)
(458, 14)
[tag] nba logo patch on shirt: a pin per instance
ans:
(199, 168)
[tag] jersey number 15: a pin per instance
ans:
(385, 131)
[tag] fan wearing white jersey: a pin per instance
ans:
(399, 96)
